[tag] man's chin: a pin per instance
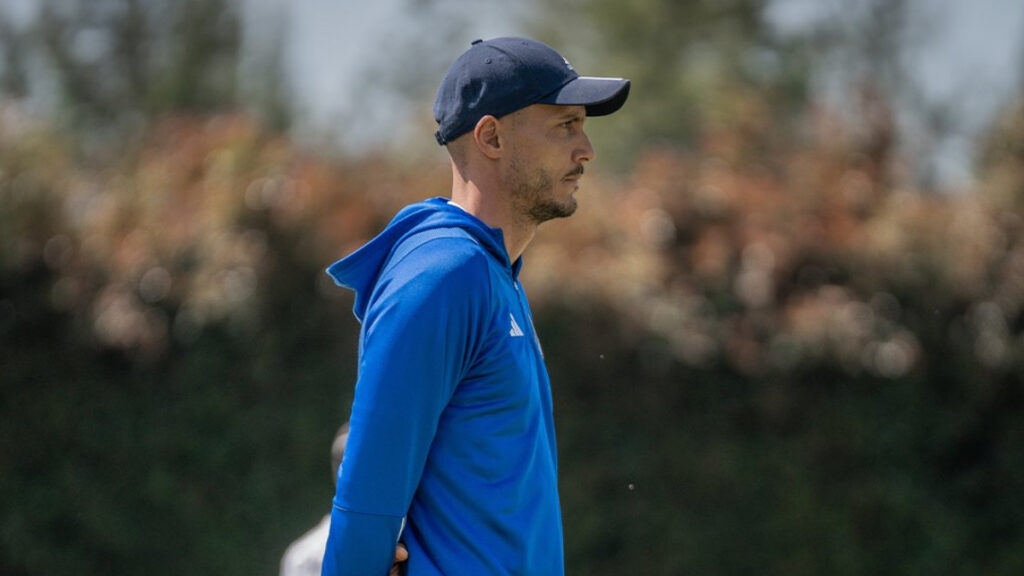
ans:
(551, 210)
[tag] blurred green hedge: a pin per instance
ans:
(783, 362)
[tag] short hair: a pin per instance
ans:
(457, 149)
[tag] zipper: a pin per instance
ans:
(524, 310)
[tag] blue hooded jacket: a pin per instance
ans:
(451, 424)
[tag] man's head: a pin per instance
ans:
(520, 104)
(497, 77)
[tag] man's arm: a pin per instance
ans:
(418, 336)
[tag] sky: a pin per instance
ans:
(967, 58)
(342, 56)
(341, 59)
(338, 54)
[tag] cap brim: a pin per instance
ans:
(601, 96)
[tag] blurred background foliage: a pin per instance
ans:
(774, 347)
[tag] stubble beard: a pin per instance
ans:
(533, 196)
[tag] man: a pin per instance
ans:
(452, 445)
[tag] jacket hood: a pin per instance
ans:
(360, 270)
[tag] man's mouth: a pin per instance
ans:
(575, 174)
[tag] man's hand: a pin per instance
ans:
(401, 555)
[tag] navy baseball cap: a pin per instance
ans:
(497, 77)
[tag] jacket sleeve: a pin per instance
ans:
(419, 333)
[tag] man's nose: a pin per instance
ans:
(585, 151)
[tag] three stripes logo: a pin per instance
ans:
(515, 330)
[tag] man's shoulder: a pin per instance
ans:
(448, 238)
(441, 232)
(444, 251)
(435, 272)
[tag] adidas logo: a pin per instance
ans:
(516, 330)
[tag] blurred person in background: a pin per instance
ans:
(304, 556)
(452, 445)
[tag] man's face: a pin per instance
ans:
(547, 148)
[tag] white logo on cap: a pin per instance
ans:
(567, 65)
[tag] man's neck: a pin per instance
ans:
(496, 214)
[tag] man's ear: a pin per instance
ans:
(487, 138)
